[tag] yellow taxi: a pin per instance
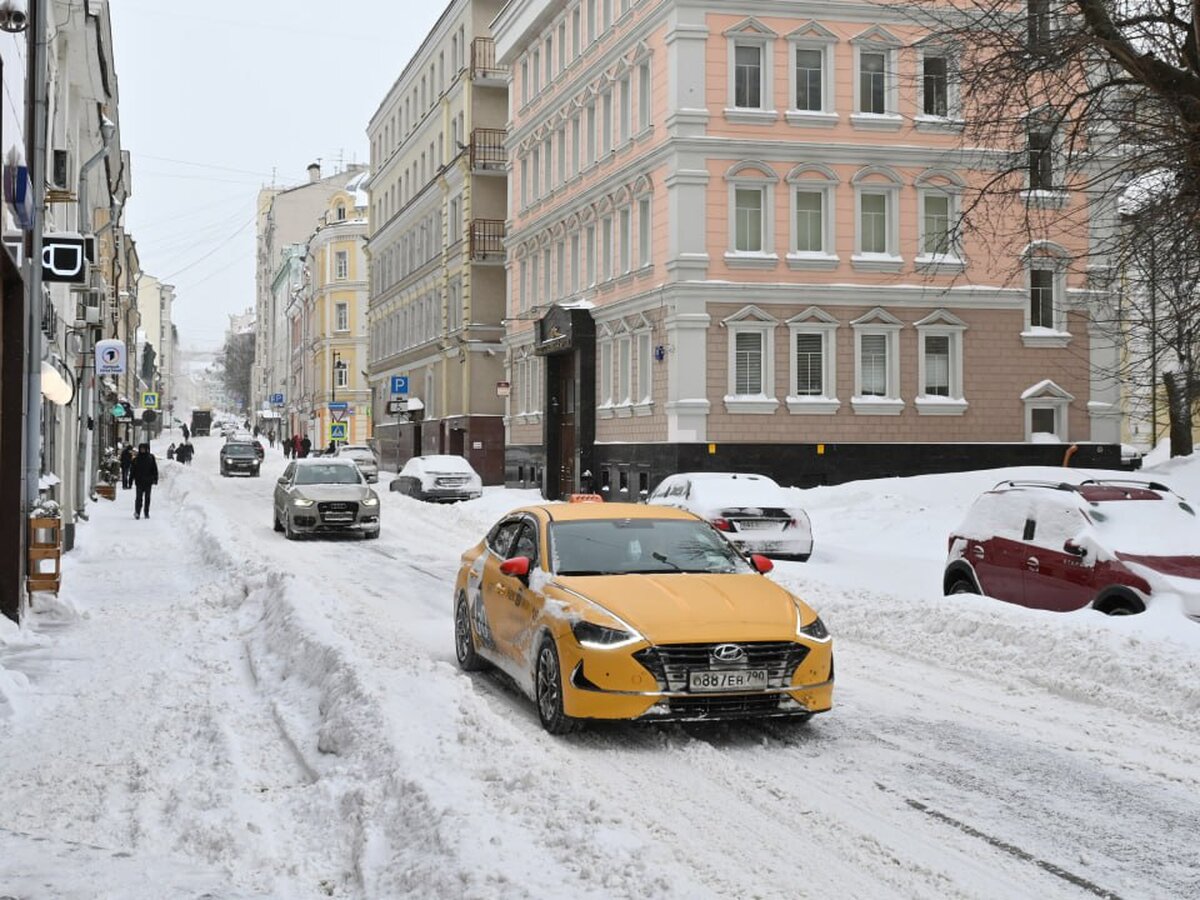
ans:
(626, 611)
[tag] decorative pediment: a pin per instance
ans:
(643, 185)
(813, 31)
(751, 170)
(750, 314)
(812, 316)
(942, 317)
(641, 51)
(876, 173)
(940, 178)
(1046, 390)
(877, 36)
(812, 172)
(877, 316)
(557, 230)
(750, 27)
(621, 196)
(1049, 250)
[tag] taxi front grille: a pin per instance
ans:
(670, 663)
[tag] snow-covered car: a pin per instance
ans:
(752, 511)
(239, 456)
(325, 495)
(1112, 544)
(627, 611)
(363, 457)
(439, 478)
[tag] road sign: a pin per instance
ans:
(149, 399)
(118, 411)
(338, 431)
(64, 258)
(399, 384)
(110, 357)
(148, 416)
(396, 407)
(339, 406)
(277, 399)
(503, 388)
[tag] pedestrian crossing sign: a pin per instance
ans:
(149, 400)
(337, 431)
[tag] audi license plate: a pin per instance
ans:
(727, 680)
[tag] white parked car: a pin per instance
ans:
(364, 458)
(446, 478)
(752, 511)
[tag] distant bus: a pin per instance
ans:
(201, 422)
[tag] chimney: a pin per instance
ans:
(314, 173)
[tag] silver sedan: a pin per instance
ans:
(324, 495)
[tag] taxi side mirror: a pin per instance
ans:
(761, 564)
(518, 567)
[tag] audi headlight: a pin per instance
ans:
(302, 502)
(815, 629)
(589, 634)
(371, 501)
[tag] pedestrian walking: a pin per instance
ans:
(286, 444)
(171, 452)
(305, 447)
(145, 476)
(126, 462)
(295, 446)
(271, 438)
(186, 433)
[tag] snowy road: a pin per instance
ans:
(247, 716)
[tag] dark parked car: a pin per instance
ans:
(237, 457)
(1110, 544)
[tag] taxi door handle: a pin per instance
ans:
(1032, 563)
(499, 589)
(977, 550)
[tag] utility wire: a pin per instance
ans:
(201, 259)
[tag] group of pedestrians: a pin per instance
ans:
(296, 447)
(183, 453)
(139, 471)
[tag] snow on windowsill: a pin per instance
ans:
(938, 123)
(1045, 337)
(877, 262)
(877, 406)
(751, 116)
(939, 262)
(940, 406)
(812, 118)
(813, 406)
(877, 121)
(750, 259)
(752, 404)
(800, 259)
(1052, 199)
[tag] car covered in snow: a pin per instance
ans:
(362, 456)
(753, 512)
(1112, 544)
(444, 477)
(239, 456)
(627, 611)
(321, 495)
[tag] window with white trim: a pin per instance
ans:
(937, 224)
(624, 370)
(748, 219)
(644, 88)
(873, 365)
(606, 122)
(810, 364)
(877, 364)
(644, 234)
(590, 146)
(533, 280)
(590, 249)
(535, 70)
(547, 297)
(872, 82)
(524, 182)
(1040, 148)
(576, 33)
(877, 221)
(873, 212)
(341, 265)
(341, 317)
(548, 159)
(525, 81)
(575, 139)
(645, 389)
(625, 220)
(1043, 420)
(561, 138)
(936, 356)
(813, 379)
(748, 362)
(810, 221)
(575, 264)
(1041, 298)
(748, 76)
(625, 110)
(606, 248)
(935, 84)
(940, 365)
(536, 172)
(604, 373)
(523, 286)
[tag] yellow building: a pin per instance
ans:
(336, 319)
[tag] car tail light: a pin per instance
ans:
(721, 524)
(790, 523)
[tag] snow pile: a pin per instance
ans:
(12, 684)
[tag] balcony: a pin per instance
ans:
(483, 62)
(487, 240)
(487, 150)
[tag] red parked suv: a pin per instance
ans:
(1110, 544)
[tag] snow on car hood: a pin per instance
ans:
(334, 492)
(693, 607)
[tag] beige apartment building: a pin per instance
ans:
(437, 291)
(731, 245)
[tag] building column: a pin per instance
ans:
(687, 370)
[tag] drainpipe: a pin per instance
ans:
(107, 131)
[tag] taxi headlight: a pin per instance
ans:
(815, 629)
(302, 502)
(589, 634)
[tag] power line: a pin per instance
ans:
(196, 262)
(188, 162)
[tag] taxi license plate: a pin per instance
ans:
(730, 680)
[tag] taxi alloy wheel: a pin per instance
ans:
(548, 688)
(464, 641)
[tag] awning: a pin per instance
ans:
(55, 388)
(268, 414)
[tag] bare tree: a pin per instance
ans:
(234, 363)
(1064, 105)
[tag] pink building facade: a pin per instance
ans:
(731, 244)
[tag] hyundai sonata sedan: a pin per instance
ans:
(623, 611)
(322, 495)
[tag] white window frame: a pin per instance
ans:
(341, 265)
(644, 390)
(952, 260)
(625, 238)
(604, 379)
(753, 320)
(625, 109)
(645, 232)
(814, 321)
(813, 37)
(877, 40)
(341, 316)
(941, 323)
(752, 33)
(890, 404)
(645, 97)
(750, 175)
(1048, 395)
(890, 260)
(576, 263)
(623, 358)
(1057, 263)
(952, 121)
(606, 248)
(813, 179)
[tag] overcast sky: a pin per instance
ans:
(220, 98)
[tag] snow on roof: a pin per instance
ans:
(356, 187)
(1144, 190)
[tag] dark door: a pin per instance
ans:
(567, 425)
(458, 442)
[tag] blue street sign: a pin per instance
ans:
(337, 431)
(277, 399)
(339, 406)
(399, 384)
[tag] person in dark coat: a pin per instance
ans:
(295, 446)
(186, 433)
(305, 447)
(286, 444)
(145, 476)
(171, 452)
(126, 462)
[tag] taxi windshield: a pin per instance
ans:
(641, 546)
